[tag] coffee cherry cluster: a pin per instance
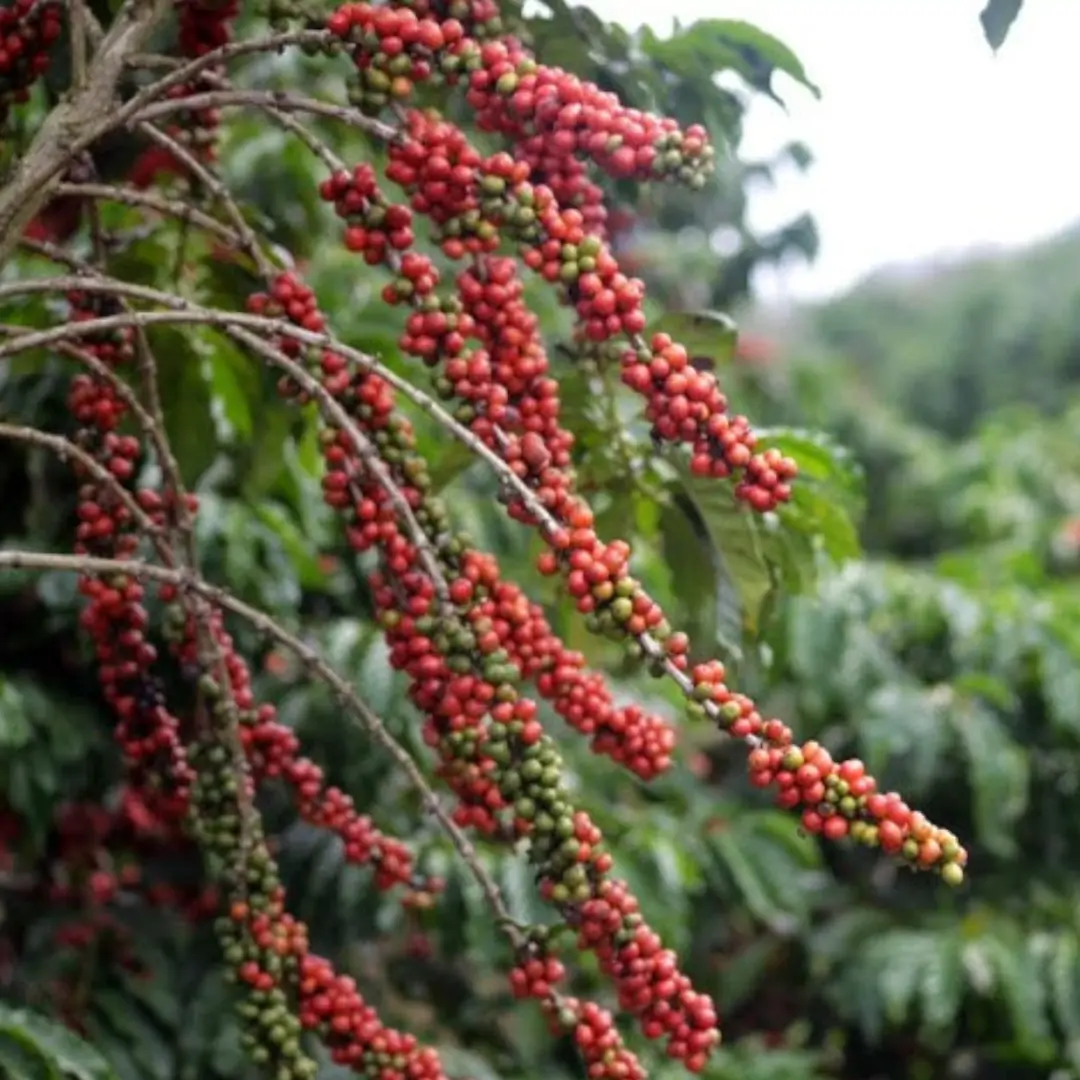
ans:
(684, 405)
(115, 618)
(103, 856)
(331, 1005)
(841, 799)
(506, 771)
(554, 118)
(267, 948)
(93, 856)
(204, 25)
(598, 578)
(436, 166)
(514, 393)
(396, 49)
(464, 637)
(493, 752)
(374, 227)
(837, 799)
(197, 788)
(273, 752)
(229, 833)
(518, 98)
(101, 851)
(515, 96)
(593, 1029)
(216, 801)
(480, 19)
(638, 740)
(28, 29)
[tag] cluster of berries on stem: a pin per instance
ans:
(28, 29)
(501, 200)
(492, 749)
(204, 25)
(190, 773)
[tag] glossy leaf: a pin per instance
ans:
(731, 44)
(47, 1048)
(999, 773)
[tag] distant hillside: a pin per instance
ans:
(947, 343)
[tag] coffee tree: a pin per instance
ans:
(219, 432)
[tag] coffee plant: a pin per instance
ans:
(241, 477)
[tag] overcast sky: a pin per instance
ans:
(926, 142)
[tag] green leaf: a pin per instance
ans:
(732, 852)
(1060, 669)
(263, 458)
(745, 972)
(901, 718)
(760, 553)
(235, 386)
(1020, 988)
(737, 537)
(693, 565)
(459, 1062)
(60, 1052)
(704, 334)
(516, 881)
(900, 958)
(819, 518)
(998, 769)
(452, 459)
(756, 553)
(20, 1059)
(186, 401)
(734, 45)
(1064, 983)
(842, 936)
(453, 927)
(941, 988)
(761, 52)
(997, 19)
(151, 1047)
(297, 546)
(15, 728)
(827, 495)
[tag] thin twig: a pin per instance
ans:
(130, 196)
(77, 28)
(218, 190)
(273, 99)
(186, 72)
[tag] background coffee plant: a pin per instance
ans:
(297, 778)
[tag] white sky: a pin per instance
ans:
(925, 142)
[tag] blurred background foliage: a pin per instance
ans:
(917, 604)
